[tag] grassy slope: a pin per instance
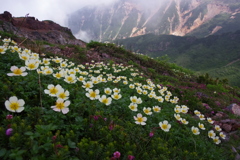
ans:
(79, 141)
(210, 53)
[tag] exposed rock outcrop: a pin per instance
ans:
(33, 29)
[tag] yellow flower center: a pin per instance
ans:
(132, 107)
(105, 101)
(156, 109)
(1, 50)
(164, 126)
(70, 79)
(25, 58)
(194, 131)
(87, 85)
(146, 111)
(53, 90)
(116, 96)
(134, 100)
(17, 71)
(62, 95)
(58, 75)
(60, 105)
(93, 94)
(31, 66)
(140, 119)
(14, 106)
(107, 91)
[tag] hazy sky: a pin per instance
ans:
(55, 10)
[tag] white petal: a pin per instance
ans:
(50, 86)
(10, 74)
(13, 68)
(21, 102)
(20, 109)
(23, 68)
(13, 99)
(24, 74)
(65, 110)
(7, 103)
(67, 103)
(56, 109)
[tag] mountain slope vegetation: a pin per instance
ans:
(202, 55)
(104, 102)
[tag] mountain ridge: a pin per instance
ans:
(176, 17)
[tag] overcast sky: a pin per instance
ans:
(55, 10)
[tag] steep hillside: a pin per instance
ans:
(131, 18)
(203, 55)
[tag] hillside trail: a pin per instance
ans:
(232, 62)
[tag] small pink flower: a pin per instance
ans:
(151, 134)
(130, 157)
(117, 154)
(95, 118)
(9, 116)
(9, 131)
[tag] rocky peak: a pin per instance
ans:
(33, 29)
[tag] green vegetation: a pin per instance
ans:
(87, 126)
(214, 54)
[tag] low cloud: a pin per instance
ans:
(55, 10)
(83, 35)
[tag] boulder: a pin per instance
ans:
(234, 108)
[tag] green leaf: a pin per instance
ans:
(2, 152)
(71, 144)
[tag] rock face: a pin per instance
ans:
(234, 108)
(33, 29)
(129, 18)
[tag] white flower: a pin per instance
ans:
(178, 117)
(201, 116)
(216, 140)
(133, 106)
(32, 64)
(222, 135)
(211, 134)
(147, 111)
(196, 112)
(140, 120)
(93, 94)
(53, 90)
(108, 91)
(14, 104)
(184, 109)
(165, 126)
(184, 121)
(218, 128)
(201, 126)
(87, 85)
(63, 94)
(195, 130)
(70, 78)
(61, 106)
(116, 90)
(156, 109)
(105, 100)
(210, 120)
(2, 49)
(116, 96)
(17, 71)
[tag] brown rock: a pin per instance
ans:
(234, 108)
(227, 127)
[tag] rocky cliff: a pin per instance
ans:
(131, 18)
(33, 29)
